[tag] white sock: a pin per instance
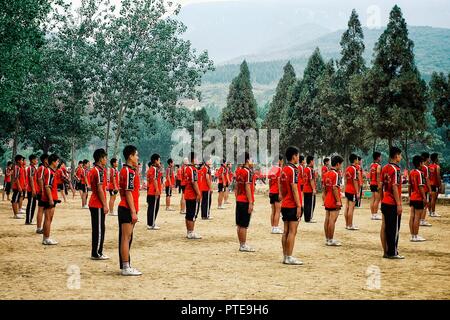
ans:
(126, 265)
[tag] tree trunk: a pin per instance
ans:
(15, 137)
(107, 134)
(346, 155)
(119, 126)
(374, 144)
(406, 152)
(72, 161)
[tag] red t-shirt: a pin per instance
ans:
(170, 177)
(230, 175)
(373, 173)
(179, 174)
(8, 175)
(332, 178)
(98, 180)
(274, 174)
(39, 175)
(426, 175)
(190, 176)
(221, 173)
(31, 174)
(79, 174)
(308, 176)
(391, 178)
(152, 174)
(324, 170)
(129, 181)
(416, 179)
(50, 181)
(113, 175)
(183, 181)
(17, 178)
(203, 173)
(433, 170)
(351, 174)
(289, 175)
(244, 176)
(23, 178)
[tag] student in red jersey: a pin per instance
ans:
(17, 185)
(169, 183)
(128, 208)
(84, 184)
(98, 204)
(245, 199)
(391, 204)
(333, 203)
(113, 185)
(351, 191)
(205, 186)
(275, 194)
(183, 186)
(61, 180)
(375, 185)
(50, 197)
(360, 183)
(24, 183)
(309, 190)
(230, 177)
(154, 188)
(193, 196)
(40, 189)
(417, 198)
(325, 169)
(301, 171)
(178, 178)
(226, 186)
(435, 182)
(223, 180)
(31, 189)
(78, 176)
(426, 174)
(7, 182)
(291, 206)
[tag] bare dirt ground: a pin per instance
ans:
(213, 268)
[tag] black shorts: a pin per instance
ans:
(242, 215)
(124, 215)
(192, 207)
(168, 191)
(373, 188)
(416, 204)
(274, 198)
(16, 196)
(390, 209)
(24, 194)
(82, 187)
(290, 214)
(60, 187)
(177, 183)
(220, 187)
(7, 187)
(332, 209)
(350, 197)
(113, 192)
(46, 204)
(182, 188)
(434, 188)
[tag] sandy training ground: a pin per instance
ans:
(213, 268)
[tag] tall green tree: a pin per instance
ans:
(440, 97)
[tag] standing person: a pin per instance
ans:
(78, 176)
(98, 204)
(31, 189)
(154, 184)
(375, 185)
(435, 182)
(309, 190)
(84, 184)
(228, 175)
(291, 206)
(62, 173)
(183, 186)
(193, 197)
(178, 181)
(245, 199)
(360, 183)
(301, 171)
(427, 187)
(17, 185)
(325, 169)
(169, 184)
(351, 191)
(230, 178)
(391, 204)
(333, 203)
(417, 198)
(50, 197)
(7, 181)
(222, 175)
(275, 194)
(24, 183)
(205, 185)
(40, 190)
(113, 185)
(128, 208)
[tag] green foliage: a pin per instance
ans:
(440, 97)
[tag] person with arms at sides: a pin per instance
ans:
(325, 169)
(154, 179)
(24, 183)
(427, 187)
(417, 198)
(40, 190)
(50, 197)
(178, 176)
(7, 182)
(223, 179)
(78, 176)
(205, 185)
(183, 186)
(360, 182)
(435, 182)
(31, 189)
(275, 194)
(309, 190)
(169, 184)
(17, 185)
(113, 185)
(193, 196)
(351, 191)
(226, 186)
(375, 185)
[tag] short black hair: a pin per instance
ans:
(417, 160)
(112, 161)
(376, 155)
(291, 152)
(52, 158)
(336, 159)
(246, 156)
(177, 166)
(434, 157)
(425, 156)
(393, 151)
(155, 157)
(352, 158)
(85, 161)
(18, 157)
(326, 160)
(99, 154)
(32, 157)
(301, 158)
(359, 158)
(169, 161)
(280, 157)
(309, 159)
(192, 156)
(128, 151)
(44, 157)
(9, 163)
(23, 158)
(79, 162)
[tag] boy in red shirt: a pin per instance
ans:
(24, 182)
(435, 182)
(275, 195)
(31, 189)
(226, 186)
(128, 208)
(40, 189)
(178, 180)
(50, 197)
(351, 191)
(98, 204)
(291, 206)
(17, 185)
(84, 183)
(332, 202)
(309, 190)
(223, 181)
(391, 205)
(7, 181)
(193, 196)
(375, 185)
(427, 187)
(183, 186)
(205, 186)
(360, 182)
(113, 185)
(417, 198)
(154, 188)
(77, 176)
(169, 184)
(325, 169)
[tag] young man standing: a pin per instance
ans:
(7, 181)
(291, 206)
(84, 184)
(391, 204)
(50, 197)
(31, 189)
(183, 186)
(223, 179)
(417, 198)
(426, 174)
(40, 190)
(178, 181)
(351, 191)
(245, 198)
(169, 184)
(333, 203)
(226, 186)
(154, 179)
(435, 182)
(360, 182)
(193, 197)
(275, 195)
(205, 185)
(375, 185)
(24, 183)
(128, 208)
(78, 175)
(98, 204)
(17, 185)
(309, 190)
(325, 169)
(113, 185)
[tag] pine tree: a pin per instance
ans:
(440, 96)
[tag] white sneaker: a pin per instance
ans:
(420, 239)
(102, 257)
(114, 213)
(424, 223)
(16, 216)
(155, 227)
(246, 248)
(40, 231)
(292, 261)
(170, 209)
(49, 242)
(334, 243)
(376, 217)
(277, 230)
(352, 228)
(21, 211)
(86, 207)
(434, 215)
(131, 272)
(193, 235)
